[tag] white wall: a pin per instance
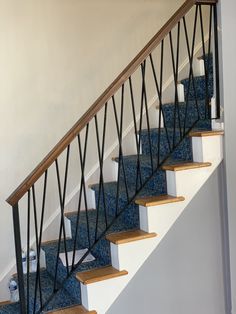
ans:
(228, 27)
(56, 57)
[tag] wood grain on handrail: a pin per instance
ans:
(100, 102)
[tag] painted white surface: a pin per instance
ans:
(185, 271)
(228, 70)
(207, 148)
(131, 256)
(180, 90)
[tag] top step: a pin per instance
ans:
(73, 310)
(206, 133)
(158, 200)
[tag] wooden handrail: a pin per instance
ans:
(100, 102)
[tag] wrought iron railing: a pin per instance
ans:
(127, 99)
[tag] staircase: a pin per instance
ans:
(152, 186)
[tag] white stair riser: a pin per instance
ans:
(139, 250)
(159, 218)
(207, 148)
(188, 182)
(100, 295)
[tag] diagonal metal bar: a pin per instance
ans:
(28, 249)
(144, 91)
(119, 135)
(41, 230)
(140, 132)
(101, 157)
(119, 128)
(138, 168)
(83, 187)
(191, 74)
(205, 65)
(209, 51)
(62, 229)
(217, 74)
(191, 68)
(175, 74)
(37, 250)
(82, 166)
(159, 94)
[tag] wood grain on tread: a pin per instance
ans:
(129, 236)
(2, 303)
(158, 200)
(186, 166)
(99, 274)
(73, 310)
(206, 133)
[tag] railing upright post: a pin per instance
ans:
(18, 249)
(217, 75)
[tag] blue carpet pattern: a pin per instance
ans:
(108, 206)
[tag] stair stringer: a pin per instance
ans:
(159, 219)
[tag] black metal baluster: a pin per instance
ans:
(143, 70)
(205, 65)
(37, 250)
(175, 73)
(119, 135)
(208, 53)
(119, 129)
(41, 233)
(77, 226)
(140, 133)
(28, 250)
(62, 228)
(82, 166)
(138, 171)
(191, 63)
(18, 251)
(177, 76)
(191, 74)
(217, 74)
(159, 94)
(83, 180)
(161, 111)
(101, 157)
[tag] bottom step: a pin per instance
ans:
(73, 310)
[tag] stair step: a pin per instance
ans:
(186, 166)
(158, 200)
(3, 303)
(99, 274)
(129, 236)
(73, 310)
(206, 133)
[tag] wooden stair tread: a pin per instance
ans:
(129, 236)
(158, 200)
(206, 133)
(186, 166)
(99, 274)
(2, 303)
(79, 309)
